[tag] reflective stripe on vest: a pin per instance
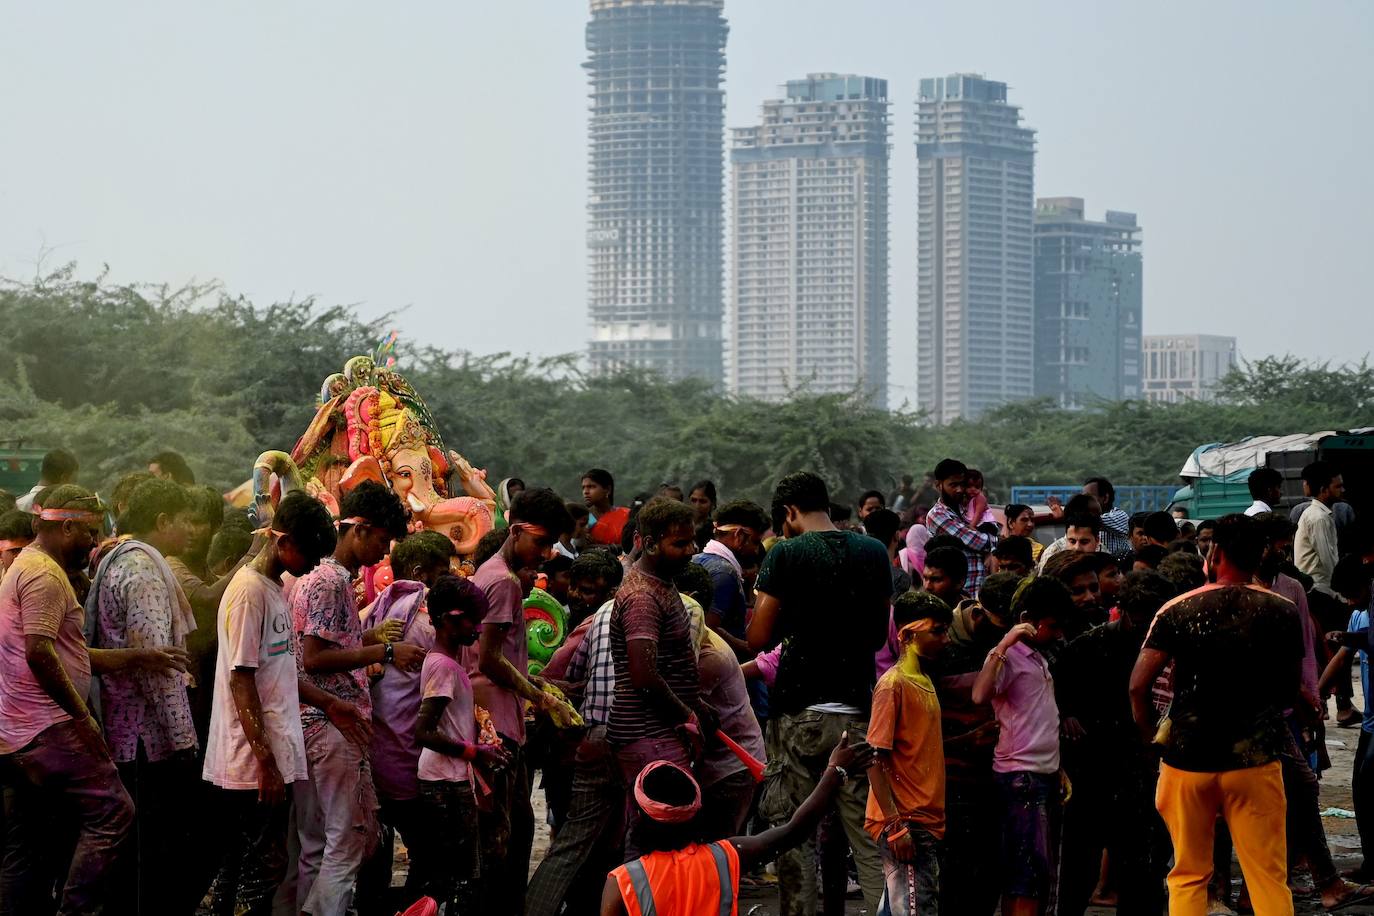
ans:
(644, 893)
(727, 887)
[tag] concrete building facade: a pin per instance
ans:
(809, 270)
(975, 263)
(1185, 367)
(1088, 298)
(655, 172)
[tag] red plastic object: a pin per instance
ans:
(749, 760)
(425, 906)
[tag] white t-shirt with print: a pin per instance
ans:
(254, 627)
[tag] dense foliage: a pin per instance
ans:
(117, 372)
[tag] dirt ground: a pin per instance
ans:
(1335, 793)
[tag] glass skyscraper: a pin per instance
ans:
(1087, 304)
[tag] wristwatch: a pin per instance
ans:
(389, 655)
(844, 774)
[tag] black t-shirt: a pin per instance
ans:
(1092, 678)
(834, 587)
(1237, 654)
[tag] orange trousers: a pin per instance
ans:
(1253, 804)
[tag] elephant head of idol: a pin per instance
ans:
(371, 425)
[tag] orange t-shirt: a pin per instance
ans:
(906, 723)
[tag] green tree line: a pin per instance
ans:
(119, 372)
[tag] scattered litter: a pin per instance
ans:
(1332, 742)
(1337, 812)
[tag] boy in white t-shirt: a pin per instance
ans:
(255, 746)
(447, 732)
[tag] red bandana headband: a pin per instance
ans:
(917, 626)
(352, 520)
(663, 813)
(538, 531)
(72, 515)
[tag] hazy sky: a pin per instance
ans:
(432, 156)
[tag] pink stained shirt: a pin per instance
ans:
(36, 599)
(1290, 588)
(444, 677)
(396, 694)
(506, 603)
(724, 689)
(134, 609)
(1027, 714)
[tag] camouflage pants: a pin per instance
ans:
(799, 749)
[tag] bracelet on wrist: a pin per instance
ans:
(841, 771)
(389, 654)
(469, 752)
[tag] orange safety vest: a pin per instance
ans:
(695, 881)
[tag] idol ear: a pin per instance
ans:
(365, 468)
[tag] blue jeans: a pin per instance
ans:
(911, 888)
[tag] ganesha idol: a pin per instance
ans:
(371, 425)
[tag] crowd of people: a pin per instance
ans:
(200, 706)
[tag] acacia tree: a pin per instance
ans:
(119, 372)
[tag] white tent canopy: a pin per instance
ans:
(1226, 459)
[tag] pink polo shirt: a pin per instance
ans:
(1027, 714)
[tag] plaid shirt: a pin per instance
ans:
(1116, 532)
(941, 519)
(592, 661)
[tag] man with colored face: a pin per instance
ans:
(588, 841)
(48, 738)
(256, 748)
(657, 714)
(1113, 771)
(1078, 573)
(969, 882)
(135, 601)
(1016, 679)
(1237, 654)
(499, 668)
(16, 533)
(333, 651)
(416, 564)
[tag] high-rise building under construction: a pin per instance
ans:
(656, 137)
